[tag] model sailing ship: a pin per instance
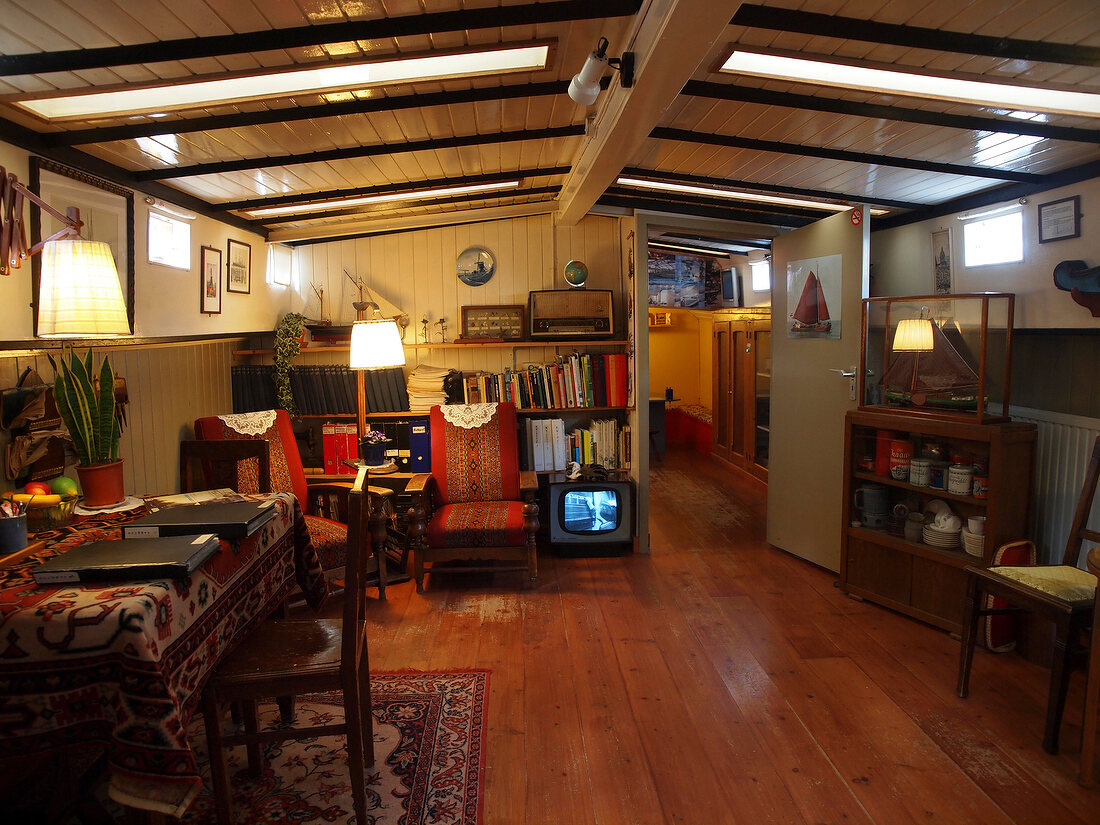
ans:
(812, 313)
(939, 377)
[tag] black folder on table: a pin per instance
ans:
(128, 560)
(228, 519)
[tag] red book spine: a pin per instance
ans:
(341, 449)
(328, 445)
(351, 436)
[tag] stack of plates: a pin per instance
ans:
(948, 539)
(973, 543)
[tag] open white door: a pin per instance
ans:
(827, 266)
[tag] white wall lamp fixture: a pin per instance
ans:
(584, 88)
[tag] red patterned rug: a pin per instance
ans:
(428, 744)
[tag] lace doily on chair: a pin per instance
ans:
(468, 416)
(252, 423)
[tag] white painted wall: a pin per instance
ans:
(166, 299)
(902, 263)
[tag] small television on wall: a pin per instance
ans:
(591, 517)
(731, 288)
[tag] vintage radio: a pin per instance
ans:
(570, 313)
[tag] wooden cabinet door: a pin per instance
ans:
(722, 403)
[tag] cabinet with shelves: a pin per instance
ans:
(742, 391)
(919, 579)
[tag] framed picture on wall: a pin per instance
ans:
(210, 280)
(943, 276)
(1060, 219)
(239, 277)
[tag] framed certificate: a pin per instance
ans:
(1060, 219)
(500, 323)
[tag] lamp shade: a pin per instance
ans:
(913, 335)
(376, 344)
(79, 295)
(584, 88)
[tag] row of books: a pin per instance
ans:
(320, 389)
(409, 447)
(572, 381)
(548, 446)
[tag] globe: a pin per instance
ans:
(576, 273)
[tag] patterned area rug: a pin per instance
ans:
(428, 744)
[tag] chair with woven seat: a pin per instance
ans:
(1063, 594)
(303, 656)
(209, 465)
(324, 505)
(476, 504)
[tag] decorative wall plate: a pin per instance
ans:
(576, 273)
(476, 266)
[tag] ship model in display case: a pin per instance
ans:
(938, 355)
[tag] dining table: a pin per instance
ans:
(121, 665)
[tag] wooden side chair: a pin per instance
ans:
(303, 656)
(324, 505)
(1087, 775)
(208, 465)
(476, 504)
(1063, 594)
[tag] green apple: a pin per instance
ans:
(63, 486)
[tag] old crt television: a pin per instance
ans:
(591, 517)
(562, 314)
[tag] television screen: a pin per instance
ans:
(591, 511)
(731, 288)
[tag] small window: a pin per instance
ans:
(169, 241)
(761, 275)
(280, 263)
(994, 240)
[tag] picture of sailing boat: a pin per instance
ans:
(939, 377)
(812, 312)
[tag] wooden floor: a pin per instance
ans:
(719, 681)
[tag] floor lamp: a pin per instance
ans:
(375, 344)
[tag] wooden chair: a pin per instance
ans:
(324, 505)
(208, 465)
(476, 504)
(1063, 594)
(302, 656)
(1087, 776)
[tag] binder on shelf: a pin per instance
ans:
(128, 559)
(351, 438)
(328, 446)
(342, 447)
(420, 446)
(227, 519)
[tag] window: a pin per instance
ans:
(169, 241)
(761, 275)
(280, 260)
(998, 239)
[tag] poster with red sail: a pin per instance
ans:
(813, 298)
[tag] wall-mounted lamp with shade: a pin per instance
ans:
(79, 295)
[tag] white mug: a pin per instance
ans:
(976, 525)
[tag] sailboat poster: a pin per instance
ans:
(813, 297)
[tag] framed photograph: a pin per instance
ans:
(500, 323)
(239, 278)
(210, 280)
(1060, 219)
(943, 273)
(107, 211)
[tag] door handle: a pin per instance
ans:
(848, 373)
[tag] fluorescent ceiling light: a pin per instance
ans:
(981, 93)
(714, 192)
(422, 194)
(341, 76)
(694, 250)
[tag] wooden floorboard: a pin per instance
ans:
(721, 681)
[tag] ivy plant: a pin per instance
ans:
(288, 343)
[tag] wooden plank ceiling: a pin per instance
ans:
(681, 121)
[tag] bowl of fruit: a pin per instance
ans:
(49, 505)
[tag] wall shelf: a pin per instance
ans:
(507, 345)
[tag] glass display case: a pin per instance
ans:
(946, 356)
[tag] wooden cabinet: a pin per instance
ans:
(912, 577)
(742, 392)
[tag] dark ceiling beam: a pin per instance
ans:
(819, 194)
(153, 128)
(988, 197)
(914, 37)
(470, 197)
(359, 191)
(765, 97)
(702, 210)
(871, 158)
(303, 36)
(358, 152)
(31, 141)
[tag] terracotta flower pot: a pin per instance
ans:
(101, 484)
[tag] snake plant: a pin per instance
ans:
(86, 403)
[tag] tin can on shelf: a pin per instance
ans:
(901, 453)
(920, 472)
(980, 488)
(960, 479)
(937, 475)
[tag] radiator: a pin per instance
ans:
(1062, 453)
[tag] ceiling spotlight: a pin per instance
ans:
(584, 88)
